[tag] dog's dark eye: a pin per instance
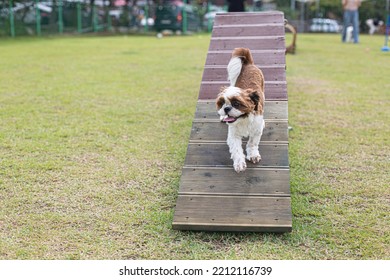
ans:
(236, 104)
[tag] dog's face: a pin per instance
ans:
(234, 103)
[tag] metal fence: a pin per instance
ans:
(50, 17)
(40, 17)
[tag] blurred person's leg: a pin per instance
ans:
(355, 24)
(347, 21)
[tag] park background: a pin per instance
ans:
(94, 131)
(39, 17)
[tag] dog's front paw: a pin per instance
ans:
(255, 159)
(253, 155)
(239, 166)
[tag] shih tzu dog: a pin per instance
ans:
(241, 106)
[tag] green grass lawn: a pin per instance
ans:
(94, 131)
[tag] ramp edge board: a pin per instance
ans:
(232, 228)
(234, 213)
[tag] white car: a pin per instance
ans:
(208, 19)
(324, 25)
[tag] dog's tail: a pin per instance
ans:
(240, 56)
(234, 70)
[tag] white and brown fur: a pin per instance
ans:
(241, 106)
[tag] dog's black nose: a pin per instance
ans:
(227, 109)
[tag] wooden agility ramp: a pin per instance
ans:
(212, 196)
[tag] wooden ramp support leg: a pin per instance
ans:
(212, 196)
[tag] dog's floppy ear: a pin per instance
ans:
(220, 100)
(254, 97)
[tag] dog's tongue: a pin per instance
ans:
(228, 119)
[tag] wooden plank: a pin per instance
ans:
(219, 73)
(276, 131)
(272, 91)
(249, 18)
(233, 213)
(262, 58)
(243, 30)
(225, 181)
(273, 110)
(258, 43)
(217, 154)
